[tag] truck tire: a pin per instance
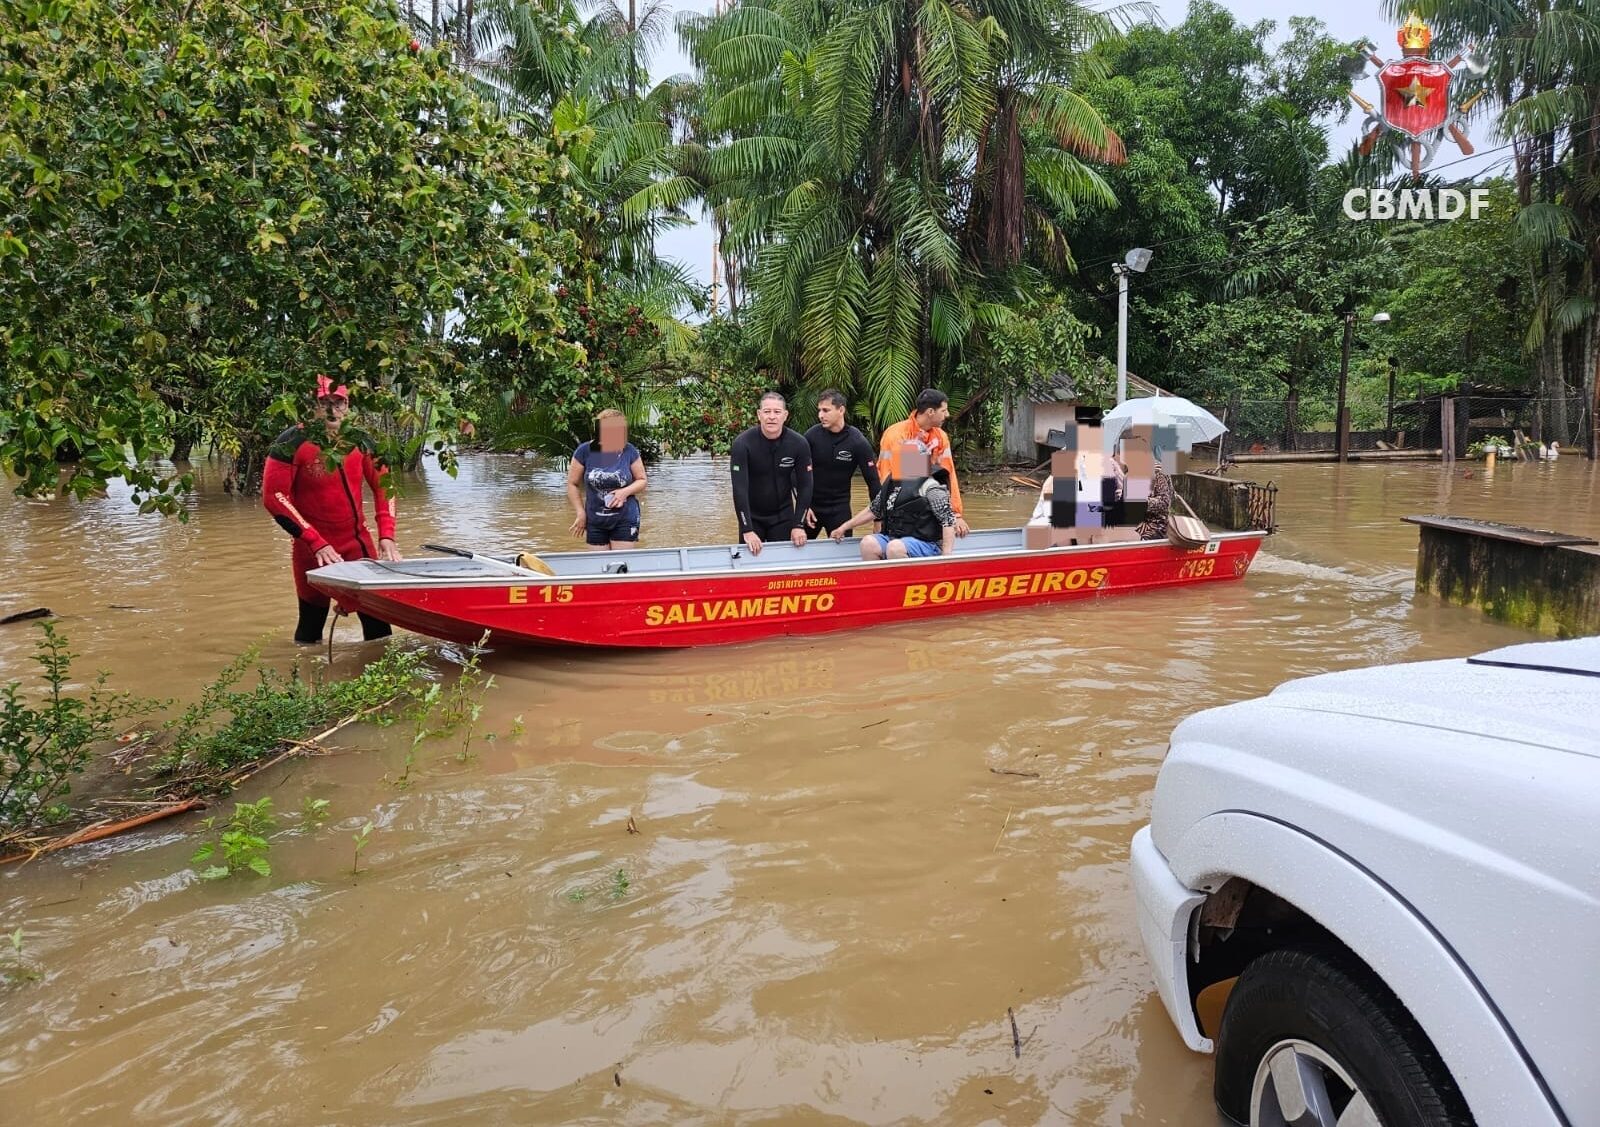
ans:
(1309, 1035)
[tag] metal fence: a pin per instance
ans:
(1263, 504)
(1261, 426)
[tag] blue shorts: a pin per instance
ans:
(914, 547)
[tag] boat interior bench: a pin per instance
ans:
(779, 555)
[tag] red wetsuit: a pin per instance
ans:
(321, 509)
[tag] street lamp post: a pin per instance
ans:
(1138, 259)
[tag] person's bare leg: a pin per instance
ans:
(870, 549)
(897, 549)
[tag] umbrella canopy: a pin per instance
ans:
(1192, 422)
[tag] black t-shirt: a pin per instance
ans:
(771, 478)
(835, 458)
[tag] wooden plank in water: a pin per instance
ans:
(1533, 537)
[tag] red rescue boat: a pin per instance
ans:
(677, 597)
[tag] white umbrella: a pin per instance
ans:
(1192, 422)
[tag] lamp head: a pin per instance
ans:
(1380, 318)
(1138, 259)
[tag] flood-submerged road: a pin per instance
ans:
(831, 900)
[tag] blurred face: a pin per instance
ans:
(830, 415)
(914, 462)
(772, 414)
(934, 416)
(613, 434)
(1090, 452)
(1136, 453)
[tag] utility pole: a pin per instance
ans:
(1388, 424)
(1121, 272)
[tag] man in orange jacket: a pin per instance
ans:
(322, 510)
(924, 430)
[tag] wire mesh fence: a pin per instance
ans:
(1269, 426)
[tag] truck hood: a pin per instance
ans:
(1543, 694)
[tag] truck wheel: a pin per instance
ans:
(1311, 1038)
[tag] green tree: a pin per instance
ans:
(205, 203)
(888, 167)
(1464, 296)
(582, 82)
(1221, 127)
(1272, 317)
(1544, 71)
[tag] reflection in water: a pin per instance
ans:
(830, 902)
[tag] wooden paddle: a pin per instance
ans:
(466, 555)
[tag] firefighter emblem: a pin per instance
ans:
(1415, 94)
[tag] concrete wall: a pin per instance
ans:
(1222, 504)
(1553, 590)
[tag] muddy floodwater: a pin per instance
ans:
(831, 900)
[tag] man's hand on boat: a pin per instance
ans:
(797, 537)
(388, 550)
(753, 542)
(962, 528)
(327, 554)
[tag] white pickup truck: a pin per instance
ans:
(1398, 871)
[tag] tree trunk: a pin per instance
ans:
(1007, 181)
(928, 374)
(1591, 360)
(1553, 387)
(243, 478)
(633, 43)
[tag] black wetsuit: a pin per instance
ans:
(771, 482)
(835, 459)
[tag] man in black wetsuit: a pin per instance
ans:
(838, 451)
(771, 467)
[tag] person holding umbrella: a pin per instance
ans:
(1146, 479)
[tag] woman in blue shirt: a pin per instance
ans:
(613, 474)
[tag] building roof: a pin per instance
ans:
(1063, 389)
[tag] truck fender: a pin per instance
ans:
(1500, 1081)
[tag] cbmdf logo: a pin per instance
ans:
(1414, 203)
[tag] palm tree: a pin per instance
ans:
(887, 165)
(577, 80)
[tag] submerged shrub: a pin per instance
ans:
(230, 727)
(44, 747)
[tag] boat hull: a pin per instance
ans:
(698, 609)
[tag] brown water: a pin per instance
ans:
(831, 902)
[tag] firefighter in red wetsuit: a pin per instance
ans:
(322, 510)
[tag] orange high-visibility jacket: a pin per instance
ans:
(935, 443)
